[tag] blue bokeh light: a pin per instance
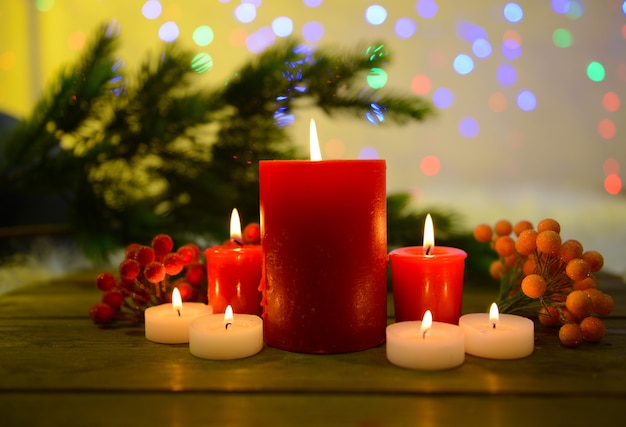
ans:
(481, 48)
(468, 127)
(368, 153)
(463, 64)
(312, 31)
(526, 100)
(245, 13)
(313, 3)
(443, 98)
(560, 6)
(152, 9)
(506, 74)
(427, 8)
(470, 32)
(375, 14)
(513, 12)
(405, 28)
(511, 49)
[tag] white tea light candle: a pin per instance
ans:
(169, 323)
(425, 344)
(498, 336)
(225, 337)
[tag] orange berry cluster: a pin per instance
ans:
(537, 266)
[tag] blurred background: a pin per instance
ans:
(530, 95)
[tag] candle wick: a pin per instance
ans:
(228, 324)
(238, 242)
(494, 325)
(428, 249)
(178, 310)
(424, 335)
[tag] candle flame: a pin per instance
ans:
(429, 236)
(228, 316)
(494, 314)
(235, 226)
(427, 323)
(177, 301)
(314, 144)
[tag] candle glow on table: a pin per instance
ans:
(169, 323)
(234, 273)
(226, 336)
(427, 277)
(498, 336)
(324, 239)
(425, 344)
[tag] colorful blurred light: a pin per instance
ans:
(201, 62)
(506, 74)
(152, 9)
(610, 166)
(468, 127)
(562, 38)
(513, 12)
(203, 35)
(245, 13)
(443, 98)
(312, 31)
(313, 3)
(168, 32)
(404, 28)
(497, 102)
(421, 84)
(560, 6)
(481, 48)
(427, 8)
(463, 64)
(595, 71)
(282, 26)
(606, 128)
(613, 184)
(611, 101)
(368, 153)
(375, 14)
(526, 100)
(377, 78)
(430, 165)
(575, 9)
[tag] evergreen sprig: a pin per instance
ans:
(161, 152)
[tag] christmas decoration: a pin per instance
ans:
(161, 151)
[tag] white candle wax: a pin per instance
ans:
(513, 337)
(209, 338)
(441, 347)
(164, 324)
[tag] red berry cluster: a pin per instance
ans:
(147, 275)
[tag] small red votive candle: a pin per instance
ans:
(234, 273)
(427, 277)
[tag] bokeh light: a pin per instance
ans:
(77, 40)
(201, 62)
(606, 128)
(613, 184)
(368, 153)
(427, 8)
(468, 127)
(282, 26)
(511, 49)
(313, 3)
(430, 165)
(238, 37)
(610, 166)
(437, 59)
(560, 6)
(595, 71)
(497, 102)
(443, 98)
(463, 64)
(168, 32)
(526, 100)
(421, 84)
(258, 41)
(152, 9)
(611, 101)
(44, 5)
(203, 35)
(506, 74)
(404, 28)
(513, 12)
(575, 9)
(375, 14)
(377, 78)
(334, 148)
(470, 32)
(481, 48)
(312, 31)
(562, 38)
(624, 7)
(245, 13)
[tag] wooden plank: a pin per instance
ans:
(235, 409)
(69, 354)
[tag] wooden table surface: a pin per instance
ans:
(58, 368)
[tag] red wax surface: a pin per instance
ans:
(324, 238)
(423, 283)
(234, 275)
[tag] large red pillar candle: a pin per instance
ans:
(324, 238)
(234, 274)
(427, 277)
